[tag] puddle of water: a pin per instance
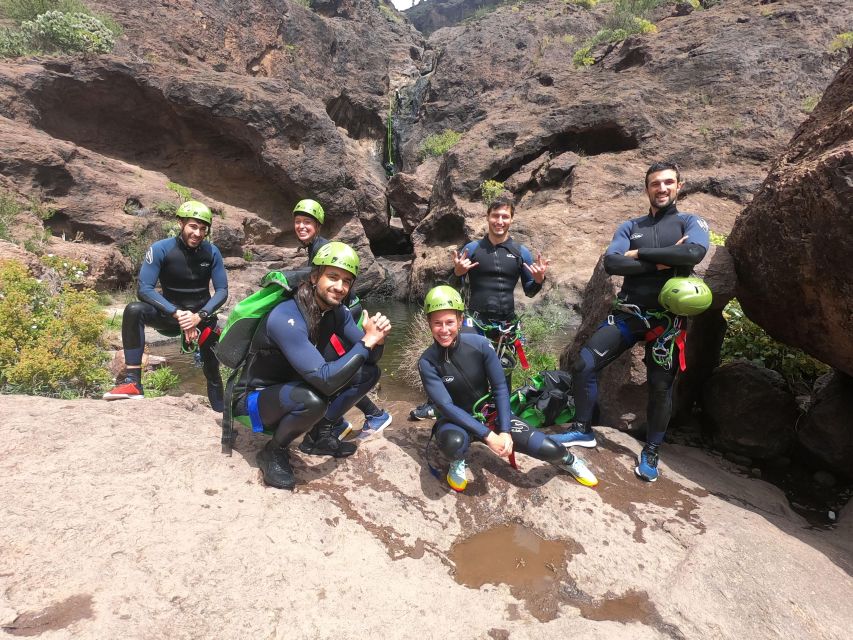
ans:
(516, 556)
(56, 616)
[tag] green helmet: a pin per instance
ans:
(337, 254)
(441, 298)
(310, 208)
(685, 296)
(195, 209)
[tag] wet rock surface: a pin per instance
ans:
(133, 505)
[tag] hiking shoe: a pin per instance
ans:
(326, 445)
(647, 464)
(578, 470)
(127, 390)
(424, 411)
(456, 475)
(341, 429)
(274, 463)
(374, 425)
(578, 435)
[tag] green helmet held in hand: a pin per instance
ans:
(195, 209)
(685, 296)
(310, 208)
(443, 297)
(337, 254)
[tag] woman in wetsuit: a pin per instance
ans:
(457, 371)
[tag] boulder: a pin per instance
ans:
(409, 197)
(793, 245)
(750, 410)
(827, 428)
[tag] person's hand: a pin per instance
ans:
(462, 264)
(499, 443)
(187, 319)
(538, 268)
(376, 329)
(190, 335)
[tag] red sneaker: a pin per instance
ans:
(128, 390)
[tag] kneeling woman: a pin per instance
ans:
(289, 387)
(457, 371)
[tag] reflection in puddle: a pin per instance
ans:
(56, 616)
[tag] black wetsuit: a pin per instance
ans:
(185, 275)
(457, 377)
(300, 381)
(492, 282)
(655, 236)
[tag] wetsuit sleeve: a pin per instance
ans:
(290, 334)
(497, 383)
(615, 262)
(688, 254)
(441, 400)
(149, 273)
(354, 334)
(530, 286)
(219, 278)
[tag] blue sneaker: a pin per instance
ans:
(374, 424)
(456, 477)
(647, 464)
(341, 429)
(578, 435)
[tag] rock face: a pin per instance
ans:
(153, 533)
(793, 245)
(750, 410)
(827, 429)
(505, 81)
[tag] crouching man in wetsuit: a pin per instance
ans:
(457, 371)
(185, 266)
(308, 218)
(648, 251)
(288, 387)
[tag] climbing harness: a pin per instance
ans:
(665, 337)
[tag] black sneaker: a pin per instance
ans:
(422, 412)
(320, 441)
(274, 463)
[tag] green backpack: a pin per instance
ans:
(236, 339)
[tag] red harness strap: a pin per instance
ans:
(519, 349)
(337, 345)
(653, 334)
(681, 342)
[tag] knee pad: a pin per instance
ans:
(371, 373)
(134, 311)
(451, 442)
(314, 405)
(549, 451)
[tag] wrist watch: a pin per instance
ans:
(204, 315)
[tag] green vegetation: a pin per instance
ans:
(248, 256)
(841, 41)
(586, 4)
(183, 192)
(164, 208)
(55, 26)
(159, 382)
(809, 103)
(9, 210)
(717, 238)
(745, 339)
(438, 144)
(73, 271)
(389, 14)
(491, 189)
(627, 18)
(50, 341)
